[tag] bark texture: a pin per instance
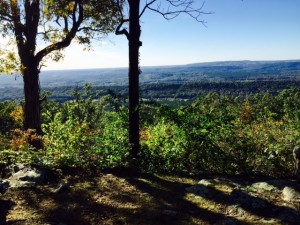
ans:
(32, 112)
(134, 72)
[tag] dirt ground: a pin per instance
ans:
(112, 197)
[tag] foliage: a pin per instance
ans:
(18, 116)
(84, 133)
(164, 146)
(111, 146)
(21, 147)
(223, 134)
(42, 29)
(214, 134)
(10, 114)
(53, 25)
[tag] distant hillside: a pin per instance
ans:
(237, 78)
(198, 72)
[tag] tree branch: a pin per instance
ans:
(177, 7)
(18, 26)
(123, 31)
(118, 29)
(77, 9)
(146, 6)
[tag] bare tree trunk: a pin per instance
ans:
(32, 114)
(134, 72)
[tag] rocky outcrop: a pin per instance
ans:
(250, 200)
(22, 176)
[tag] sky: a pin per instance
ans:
(236, 30)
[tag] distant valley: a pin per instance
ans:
(166, 77)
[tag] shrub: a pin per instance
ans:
(164, 146)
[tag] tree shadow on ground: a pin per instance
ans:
(136, 199)
(172, 207)
(171, 195)
(107, 199)
(5, 206)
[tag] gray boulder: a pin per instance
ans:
(263, 186)
(290, 195)
(25, 176)
(241, 203)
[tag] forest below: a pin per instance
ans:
(167, 83)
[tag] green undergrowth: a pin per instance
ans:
(214, 134)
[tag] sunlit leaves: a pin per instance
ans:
(59, 23)
(9, 62)
(215, 134)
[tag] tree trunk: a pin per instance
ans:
(32, 114)
(134, 72)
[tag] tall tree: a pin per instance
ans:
(41, 29)
(169, 9)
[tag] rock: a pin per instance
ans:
(205, 182)
(263, 186)
(240, 203)
(63, 187)
(227, 182)
(20, 184)
(145, 194)
(4, 185)
(25, 176)
(9, 170)
(16, 167)
(168, 212)
(236, 211)
(202, 188)
(290, 195)
(198, 190)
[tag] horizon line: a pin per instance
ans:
(174, 65)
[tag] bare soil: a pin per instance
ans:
(125, 198)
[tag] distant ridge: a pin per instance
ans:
(195, 72)
(242, 62)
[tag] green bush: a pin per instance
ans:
(163, 146)
(111, 146)
(214, 134)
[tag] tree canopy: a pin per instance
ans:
(41, 29)
(44, 27)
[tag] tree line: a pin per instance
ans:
(164, 91)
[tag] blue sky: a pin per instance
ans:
(237, 30)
